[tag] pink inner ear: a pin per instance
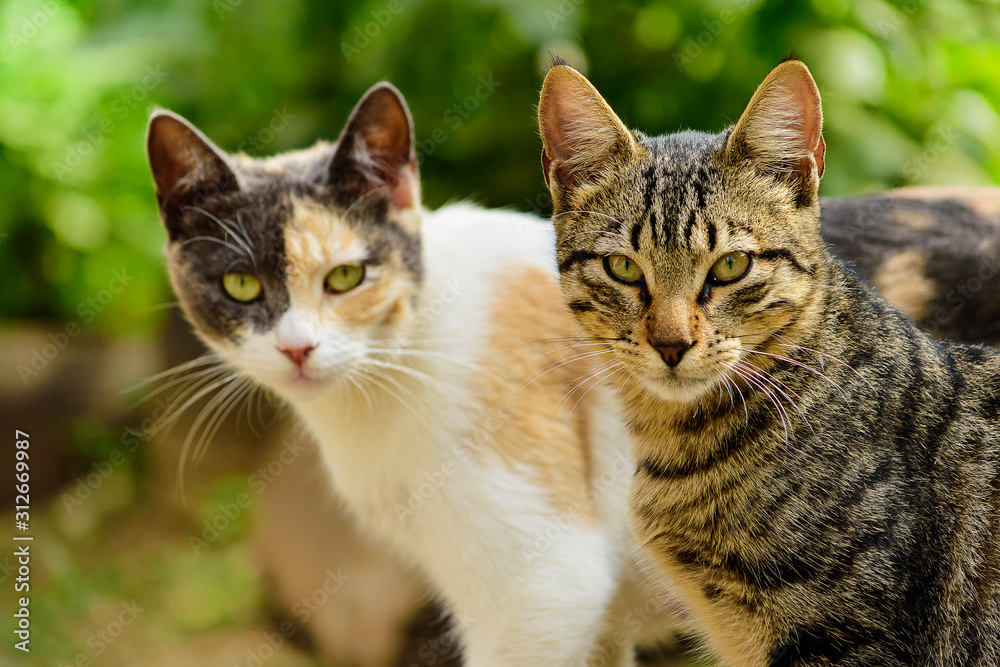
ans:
(401, 191)
(388, 149)
(561, 102)
(807, 99)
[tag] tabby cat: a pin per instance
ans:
(427, 354)
(817, 477)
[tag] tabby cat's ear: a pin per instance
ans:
(186, 165)
(781, 130)
(376, 151)
(581, 134)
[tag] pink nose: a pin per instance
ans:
(298, 355)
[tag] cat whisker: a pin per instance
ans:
(191, 395)
(246, 235)
(828, 356)
(782, 415)
(746, 410)
(554, 365)
(158, 306)
(428, 380)
(436, 355)
(187, 377)
(214, 239)
(230, 230)
(726, 383)
(208, 357)
(246, 407)
(233, 397)
(364, 393)
(185, 448)
(604, 374)
(784, 390)
(375, 380)
(546, 353)
(579, 340)
(796, 363)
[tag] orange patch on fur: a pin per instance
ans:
(918, 220)
(903, 281)
(547, 431)
(314, 238)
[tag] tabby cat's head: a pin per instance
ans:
(297, 268)
(691, 253)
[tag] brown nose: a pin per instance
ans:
(672, 352)
(298, 355)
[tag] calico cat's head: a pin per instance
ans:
(294, 269)
(689, 253)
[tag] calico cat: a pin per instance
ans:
(933, 252)
(817, 477)
(429, 355)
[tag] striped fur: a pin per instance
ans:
(817, 477)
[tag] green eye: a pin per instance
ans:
(730, 267)
(344, 278)
(623, 268)
(241, 286)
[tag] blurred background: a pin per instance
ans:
(126, 571)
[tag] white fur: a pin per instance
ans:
(527, 586)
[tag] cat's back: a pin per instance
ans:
(932, 251)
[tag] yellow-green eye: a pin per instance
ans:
(241, 286)
(344, 278)
(623, 268)
(730, 267)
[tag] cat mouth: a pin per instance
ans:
(669, 385)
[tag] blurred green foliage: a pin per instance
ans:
(911, 92)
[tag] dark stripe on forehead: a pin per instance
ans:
(689, 226)
(636, 233)
(787, 255)
(700, 186)
(654, 227)
(649, 188)
(710, 225)
(576, 257)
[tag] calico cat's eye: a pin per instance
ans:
(241, 286)
(344, 278)
(730, 267)
(623, 268)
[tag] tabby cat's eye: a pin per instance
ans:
(241, 286)
(730, 267)
(623, 268)
(344, 278)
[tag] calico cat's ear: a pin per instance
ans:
(781, 130)
(580, 132)
(186, 165)
(376, 151)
